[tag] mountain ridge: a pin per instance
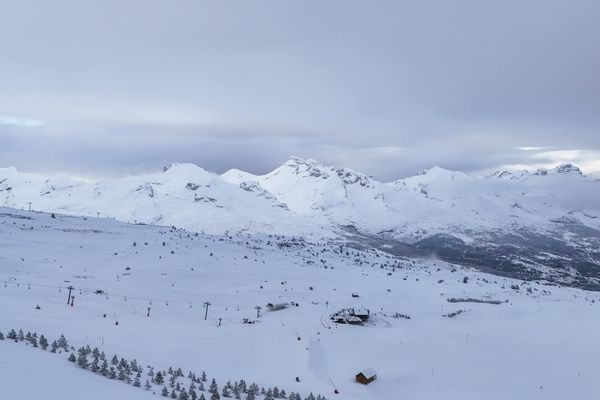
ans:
(534, 217)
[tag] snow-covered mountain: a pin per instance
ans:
(540, 224)
(183, 195)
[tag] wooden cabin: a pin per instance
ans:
(367, 376)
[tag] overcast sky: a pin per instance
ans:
(113, 87)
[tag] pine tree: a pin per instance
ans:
(173, 394)
(20, 336)
(43, 342)
(147, 385)
(136, 381)
(62, 343)
(115, 360)
(95, 367)
(225, 392)
(82, 359)
(250, 396)
(165, 391)
(158, 378)
(112, 374)
(203, 376)
(183, 395)
(12, 335)
(121, 375)
(104, 368)
(202, 397)
(72, 357)
(1, 336)
(213, 386)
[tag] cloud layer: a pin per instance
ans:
(386, 88)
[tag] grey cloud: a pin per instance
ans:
(128, 86)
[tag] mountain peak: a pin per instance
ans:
(442, 173)
(182, 168)
(317, 169)
(568, 168)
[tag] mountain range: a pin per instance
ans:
(536, 225)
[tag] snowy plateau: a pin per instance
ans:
(473, 288)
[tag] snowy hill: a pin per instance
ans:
(435, 330)
(534, 225)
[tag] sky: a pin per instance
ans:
(384, 87)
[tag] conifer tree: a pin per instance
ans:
(43, 342)
(121, 375)
(82, 359)
(72, 357)
(165, 391)
(62, 343)
(95, 367)
(104, 368)
(147, 385)
(136, 381)
(213, 386)
(225, 392)
(158, 378)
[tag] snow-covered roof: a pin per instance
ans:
(368, 373)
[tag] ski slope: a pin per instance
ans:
(540, 342)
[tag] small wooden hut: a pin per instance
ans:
(366, 376)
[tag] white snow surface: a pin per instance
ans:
(540, 344)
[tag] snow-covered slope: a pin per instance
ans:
(497, 338)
